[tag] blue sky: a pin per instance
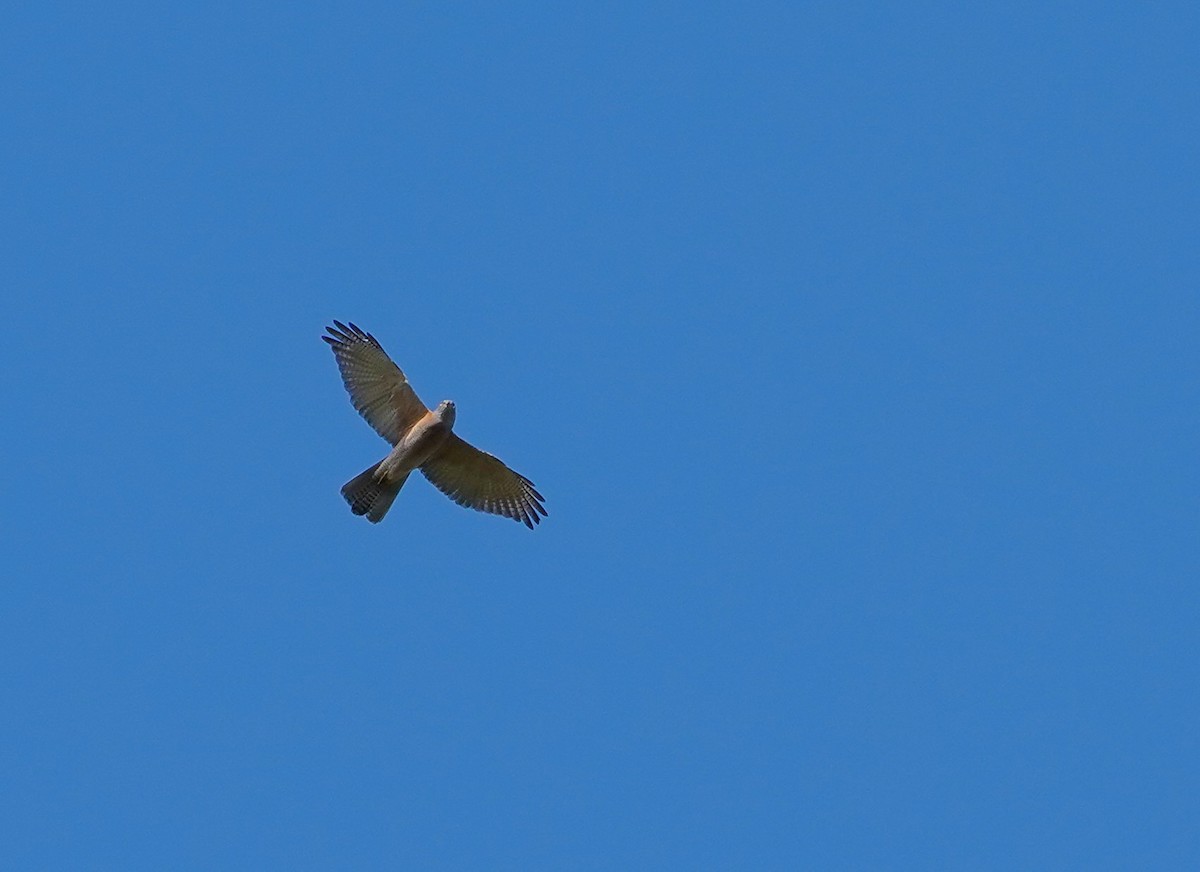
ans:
(853, 348)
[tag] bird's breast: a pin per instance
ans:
(425, 437)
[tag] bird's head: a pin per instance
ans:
(445, 411)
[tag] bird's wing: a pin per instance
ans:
(377, 387)
(477, 480)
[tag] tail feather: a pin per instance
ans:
(369, 495)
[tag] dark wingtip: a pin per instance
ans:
(337, 334)
(531, 510)
(350, 332)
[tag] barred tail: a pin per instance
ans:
(368, 494)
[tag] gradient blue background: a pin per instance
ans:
(854, 349)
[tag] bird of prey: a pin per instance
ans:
(420, 439)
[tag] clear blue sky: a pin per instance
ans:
(854, 350)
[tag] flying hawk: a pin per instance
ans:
(421, 439)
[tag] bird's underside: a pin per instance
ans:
(421, 439)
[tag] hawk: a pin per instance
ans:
(420, 439)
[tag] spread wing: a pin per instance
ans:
(377, 387)
(479, 481)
